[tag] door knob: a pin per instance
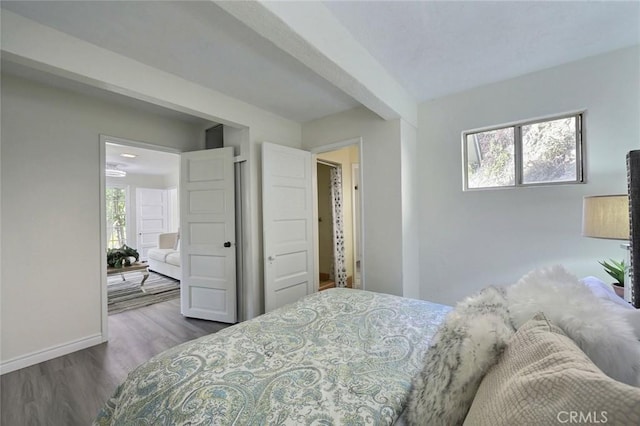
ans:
(271, 258)
(227, 244)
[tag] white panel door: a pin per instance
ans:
(207, 233)
(287, 208)
(152, 216)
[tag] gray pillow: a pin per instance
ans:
(466, 345)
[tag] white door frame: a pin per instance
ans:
(314, 185)
(104, 139)
(356, 220)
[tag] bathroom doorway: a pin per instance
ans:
(338, 216)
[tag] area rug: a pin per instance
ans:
(125, 295)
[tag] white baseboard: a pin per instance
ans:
(49, 353)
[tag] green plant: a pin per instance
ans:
(617, 270)
(119, 257)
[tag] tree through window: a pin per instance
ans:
(116, 217)
(529, 153)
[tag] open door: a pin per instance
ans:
(287, 208)
(207, 235)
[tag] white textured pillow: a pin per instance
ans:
(542, 378)
(601, 329)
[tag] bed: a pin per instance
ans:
(340, 356)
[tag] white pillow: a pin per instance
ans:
(604, 291)
(603, 330)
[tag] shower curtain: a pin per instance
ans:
(340, 271)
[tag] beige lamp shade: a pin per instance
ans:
(606, 216)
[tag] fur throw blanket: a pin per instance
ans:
(474, 334)
(469, 341)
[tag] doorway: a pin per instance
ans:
(141, 194)
(132, 172)
(203, 186)
(332, 272)
(290, 219)
(338, 216)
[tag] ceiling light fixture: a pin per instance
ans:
(112, 170)
(127, 155)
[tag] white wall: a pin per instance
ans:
(45, 132)
(50, 279)
(172, 180)
(410, 213)
(473, 239)
(381, 186)
(33, 45)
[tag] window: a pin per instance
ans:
(538, 152)
(116, 216)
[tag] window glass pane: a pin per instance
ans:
(116, 217)
(490, 158)
(549, 151)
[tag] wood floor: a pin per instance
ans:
(70, 390)
(326, 283)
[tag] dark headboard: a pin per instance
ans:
(633, 180)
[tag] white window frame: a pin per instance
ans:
(517, 129)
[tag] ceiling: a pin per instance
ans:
(146, 162)
(431, 48)
(436, 48)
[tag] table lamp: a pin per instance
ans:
(607, 217)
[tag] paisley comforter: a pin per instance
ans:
(339, 356)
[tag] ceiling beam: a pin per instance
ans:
(28, 43)
(310, 33)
